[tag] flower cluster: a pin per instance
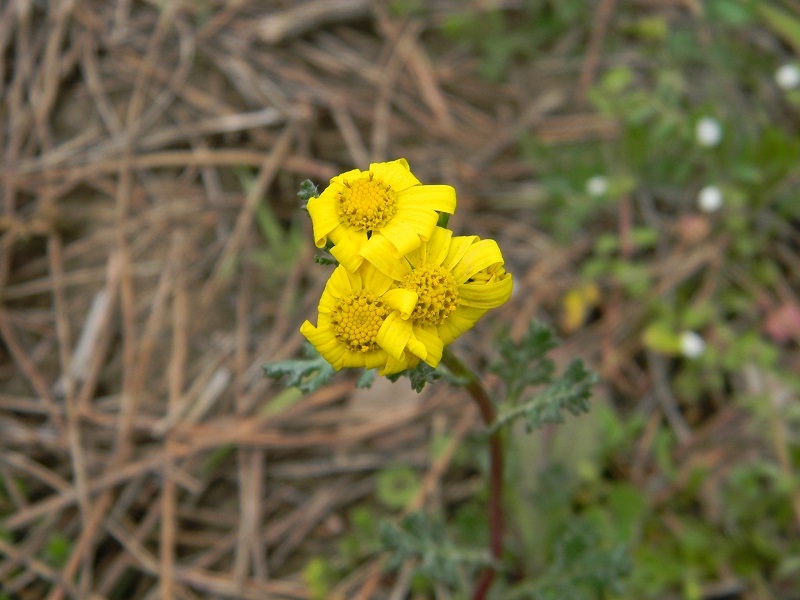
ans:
(404, 287)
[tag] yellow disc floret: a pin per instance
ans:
(356, 320)
(438, 293)
(366, 204)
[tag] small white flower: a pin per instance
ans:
(787, 76)
(709, 199)
(597, 186)
(692, 344)
(708, 132)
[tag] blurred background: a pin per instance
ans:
(639, 164)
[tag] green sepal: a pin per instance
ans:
(419, 375)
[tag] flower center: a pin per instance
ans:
(366, 204)
(356, 319)
(438, 293)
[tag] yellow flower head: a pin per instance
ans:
(386, 202)
(357, 313)
(456, 280)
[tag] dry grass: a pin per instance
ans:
(139, 303)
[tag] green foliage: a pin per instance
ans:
(308, 374)
(363, 538)
(396, 486)
(424, 539)
(281, 247)
(781, 22)
(323, 257)
(523, 365)
(57, 549)
(731, 12)
(581, 567)
(502, 38)
(311, 373)
(307, 191)
(570, 392)
(367, 378)
(419, 375)
(318, 576)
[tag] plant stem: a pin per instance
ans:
(495, 508)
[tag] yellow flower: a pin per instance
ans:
(356, 324)
(387, 202)
(457, 279)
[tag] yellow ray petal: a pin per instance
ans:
(429, 337)
(417, 348)
(409, 228)
(383, 256)
(354, 359)
(393, 335)
(393, 366)
(327, 303)
(324, 218)
(459, 245)
(339, 181)
(486, 295)
(462, 319)
(401, 300)
(375, 359)
(338, 284)
(374, 280)
(354, 277)
(395, 174)
(325, 343)
(346, 248)
(438, 246)
(480, 255)
(431, 197)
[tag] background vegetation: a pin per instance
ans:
(153, 257)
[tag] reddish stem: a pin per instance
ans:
(495, 508)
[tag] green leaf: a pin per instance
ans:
(420, 537)
(308, 374)
(307, 191)
(570, 392)
(524, 364)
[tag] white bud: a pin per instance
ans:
(692, 344)
(709, 199)
(787, 76)
(597, 186)
(708, 132)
